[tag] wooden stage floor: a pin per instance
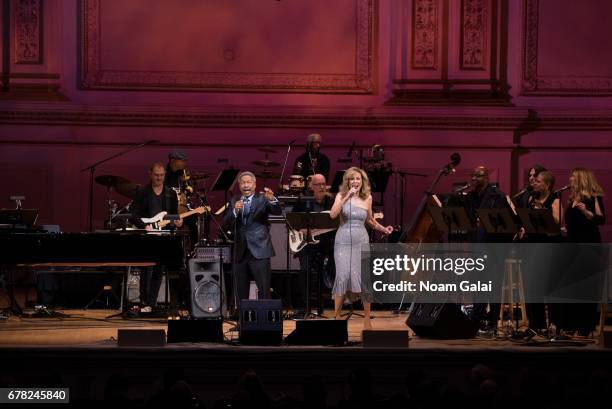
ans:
(80, 351)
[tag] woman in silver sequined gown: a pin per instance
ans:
(354, 206)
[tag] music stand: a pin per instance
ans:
(225, 181)
(335, 186)
(451, 219)
(19, 217)
(538, 221)
(309, 221)
(497, 221)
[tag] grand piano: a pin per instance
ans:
(100, 247)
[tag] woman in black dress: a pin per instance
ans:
(585, 213)
(542, 197)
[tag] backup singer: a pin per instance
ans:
(354, 206)
(522, 199)
(247, 215)
(152, 199)
(485, 195)
(585, 213)
(542, 197)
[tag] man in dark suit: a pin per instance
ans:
(247, 216)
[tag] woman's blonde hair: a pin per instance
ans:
(364, 191)
(586, 185)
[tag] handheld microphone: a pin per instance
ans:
(292, 142)
(563, 189)
(462, 188)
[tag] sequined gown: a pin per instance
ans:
(347, 251)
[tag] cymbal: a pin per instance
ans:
(266, 149)
(199, 176)
(128, 189)
(266, 174)
(266, 163)
(110, 180)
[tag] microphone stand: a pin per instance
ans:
(92, 171)
(280, 181)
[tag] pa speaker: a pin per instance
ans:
(205, 287)
(440, 321)
(141, 337)
(385, 339)
(208, 330)
(261, 322)
(319, 332)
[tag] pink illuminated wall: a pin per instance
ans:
(504, 83)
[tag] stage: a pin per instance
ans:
(80, 351)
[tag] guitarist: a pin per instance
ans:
(314, 254)
(153, 198)
(247, 216)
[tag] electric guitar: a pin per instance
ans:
(158, 222)
(298, 239)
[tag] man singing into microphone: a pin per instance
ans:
(247, 216)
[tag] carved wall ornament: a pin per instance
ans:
(425, 34)
(27, 26)
(474, 23)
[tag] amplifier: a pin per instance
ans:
(211, 254)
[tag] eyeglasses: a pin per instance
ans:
(318, 184)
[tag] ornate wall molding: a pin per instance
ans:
(27, 35)
(474, 23)
(425, 34)
(534, 84)
(362, 81)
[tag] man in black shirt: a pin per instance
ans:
(312, 161)
(485, 195)
(152, 199)
(313, 255)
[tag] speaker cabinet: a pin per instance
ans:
(440, 321)
(208, 330)
(261, 322)
(205, 284)
(319, 332)
(385, 339)
(141, 337)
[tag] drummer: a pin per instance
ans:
(177, 164)
(312, 161)
(176, 170)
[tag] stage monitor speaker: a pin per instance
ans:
(261, 322)
(385, 339)
(319, 332)
(207, 330)
(440, 321)
(141, 337)
(206, 300)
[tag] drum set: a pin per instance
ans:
(296, 184)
